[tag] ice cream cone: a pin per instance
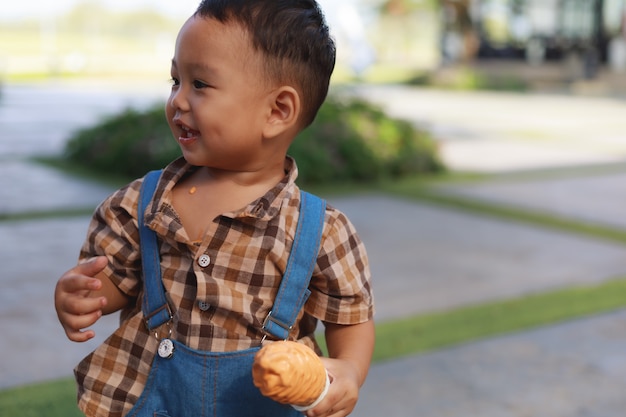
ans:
(290, 373)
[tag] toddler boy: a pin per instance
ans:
(247, 77)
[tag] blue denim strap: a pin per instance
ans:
(294, 287)
(155, 307)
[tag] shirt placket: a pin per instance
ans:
(202, 264)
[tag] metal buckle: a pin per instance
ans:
(146, 319)
(280, 324)
(160, 337)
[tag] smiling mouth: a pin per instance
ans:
(187, 135)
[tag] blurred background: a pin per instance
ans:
(406, 37)
(479, 146)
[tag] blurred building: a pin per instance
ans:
(589, 32)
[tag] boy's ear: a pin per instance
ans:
(284, 113)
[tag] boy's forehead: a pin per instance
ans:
(211, 46)
(206, 36)
(207, 28)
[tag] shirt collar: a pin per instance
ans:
(268, 206)
(264, 208)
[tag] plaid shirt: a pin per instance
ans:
(219, 307)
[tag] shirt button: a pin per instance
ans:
(203, 305)
(204, 261)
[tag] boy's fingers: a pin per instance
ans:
(75, 308)
(79, 335)
(91, 267)
(71, 283)
(75, 323)
(78, 323)
(77, 305)
(80, 278)
(75, 326)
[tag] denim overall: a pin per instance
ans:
(184, 382)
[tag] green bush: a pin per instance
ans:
(129, 144)
(350, 140)
(469, 79)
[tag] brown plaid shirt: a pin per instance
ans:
(220, 307)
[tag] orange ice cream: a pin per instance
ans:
(290, 373)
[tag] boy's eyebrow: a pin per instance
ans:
(196, 66)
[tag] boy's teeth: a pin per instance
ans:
(187, 132)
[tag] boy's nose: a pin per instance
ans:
(178, 99)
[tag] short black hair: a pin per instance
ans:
(293, 36)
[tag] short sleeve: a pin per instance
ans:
(341, 291)
(113, 233)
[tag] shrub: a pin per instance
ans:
(130, 143)
(350, 140)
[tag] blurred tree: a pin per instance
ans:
(90, 13)
(459, 40)
(403, 7)
(404, 33)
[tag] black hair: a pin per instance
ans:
(294, 38)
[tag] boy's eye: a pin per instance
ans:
(174, 81)
(199, 84)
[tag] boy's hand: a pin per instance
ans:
(76, 307)
(343, 391)
(350, 349)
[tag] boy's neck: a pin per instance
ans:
(269, 176)
(208, 193)
(235, 189)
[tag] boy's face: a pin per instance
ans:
(219, 100)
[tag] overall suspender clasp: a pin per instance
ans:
(165, 308)
(266, 323)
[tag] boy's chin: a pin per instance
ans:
(193, 159)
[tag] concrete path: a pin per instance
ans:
(595, 198)
(424, 258)
(37, 119)
(575, 369)
(34, 255)
(30, 187)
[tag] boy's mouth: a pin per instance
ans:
(187, 134)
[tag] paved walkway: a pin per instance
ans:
(424, 258)
(575, 369)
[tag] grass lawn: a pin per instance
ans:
(433, 331)
(49, 399)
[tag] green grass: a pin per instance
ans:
(48, 399)
(434, 331)
(47, 214)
